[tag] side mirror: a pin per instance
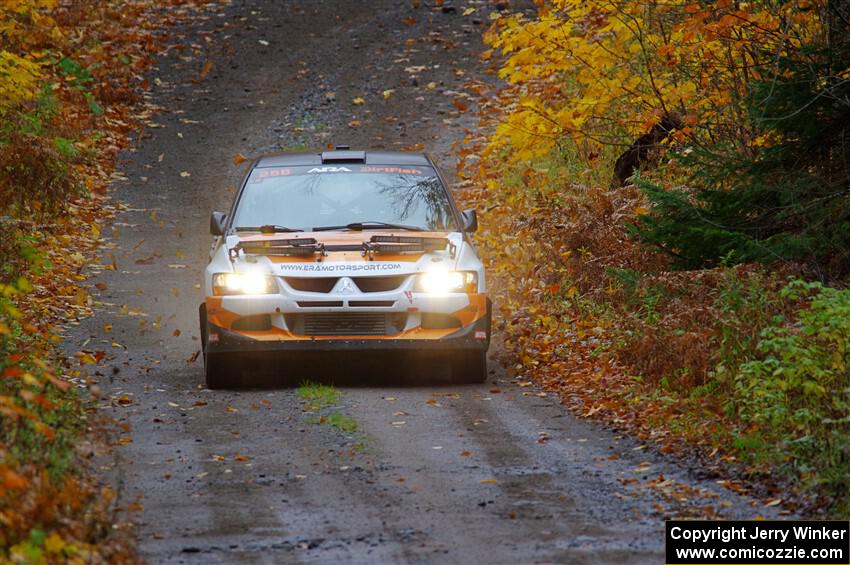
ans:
(217, 223)
(470, 220)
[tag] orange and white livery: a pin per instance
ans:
(344, 251)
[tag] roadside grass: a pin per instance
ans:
(319, 398)
(340, 422)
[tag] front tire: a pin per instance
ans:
(470, 367)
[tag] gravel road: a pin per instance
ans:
(493, 473)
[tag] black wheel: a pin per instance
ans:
(470, 366)
(219, 371)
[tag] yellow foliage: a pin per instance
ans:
(19, 79)
(603, 71)
(24, 24)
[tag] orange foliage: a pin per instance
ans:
(70, 93)
(590, 312)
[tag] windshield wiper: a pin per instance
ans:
(370, 225)
(268, 228)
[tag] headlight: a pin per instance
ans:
(443, 282)
(243, 283)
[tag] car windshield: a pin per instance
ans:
(305, 197)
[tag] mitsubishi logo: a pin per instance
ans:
(346, 286)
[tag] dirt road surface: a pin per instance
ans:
(494, 473)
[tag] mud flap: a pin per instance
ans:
(202, 320)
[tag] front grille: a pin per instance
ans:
(345, 323)
(311, 284)
(371, 303)
(379, 284)
(348, 323)
(319, 303)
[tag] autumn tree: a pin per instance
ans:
(785, 195)
(743, 103)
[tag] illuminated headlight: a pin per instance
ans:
(443, 282)
(243, 283)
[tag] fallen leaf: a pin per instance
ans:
(208, 66)
(461, 107)
(86, 358)
(81, 298)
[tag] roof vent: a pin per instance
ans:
(343, 156)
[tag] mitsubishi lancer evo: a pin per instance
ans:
(358, 252)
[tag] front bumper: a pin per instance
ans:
(475, 336)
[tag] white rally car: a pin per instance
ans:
(343, 251)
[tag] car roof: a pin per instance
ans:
(343, 156)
